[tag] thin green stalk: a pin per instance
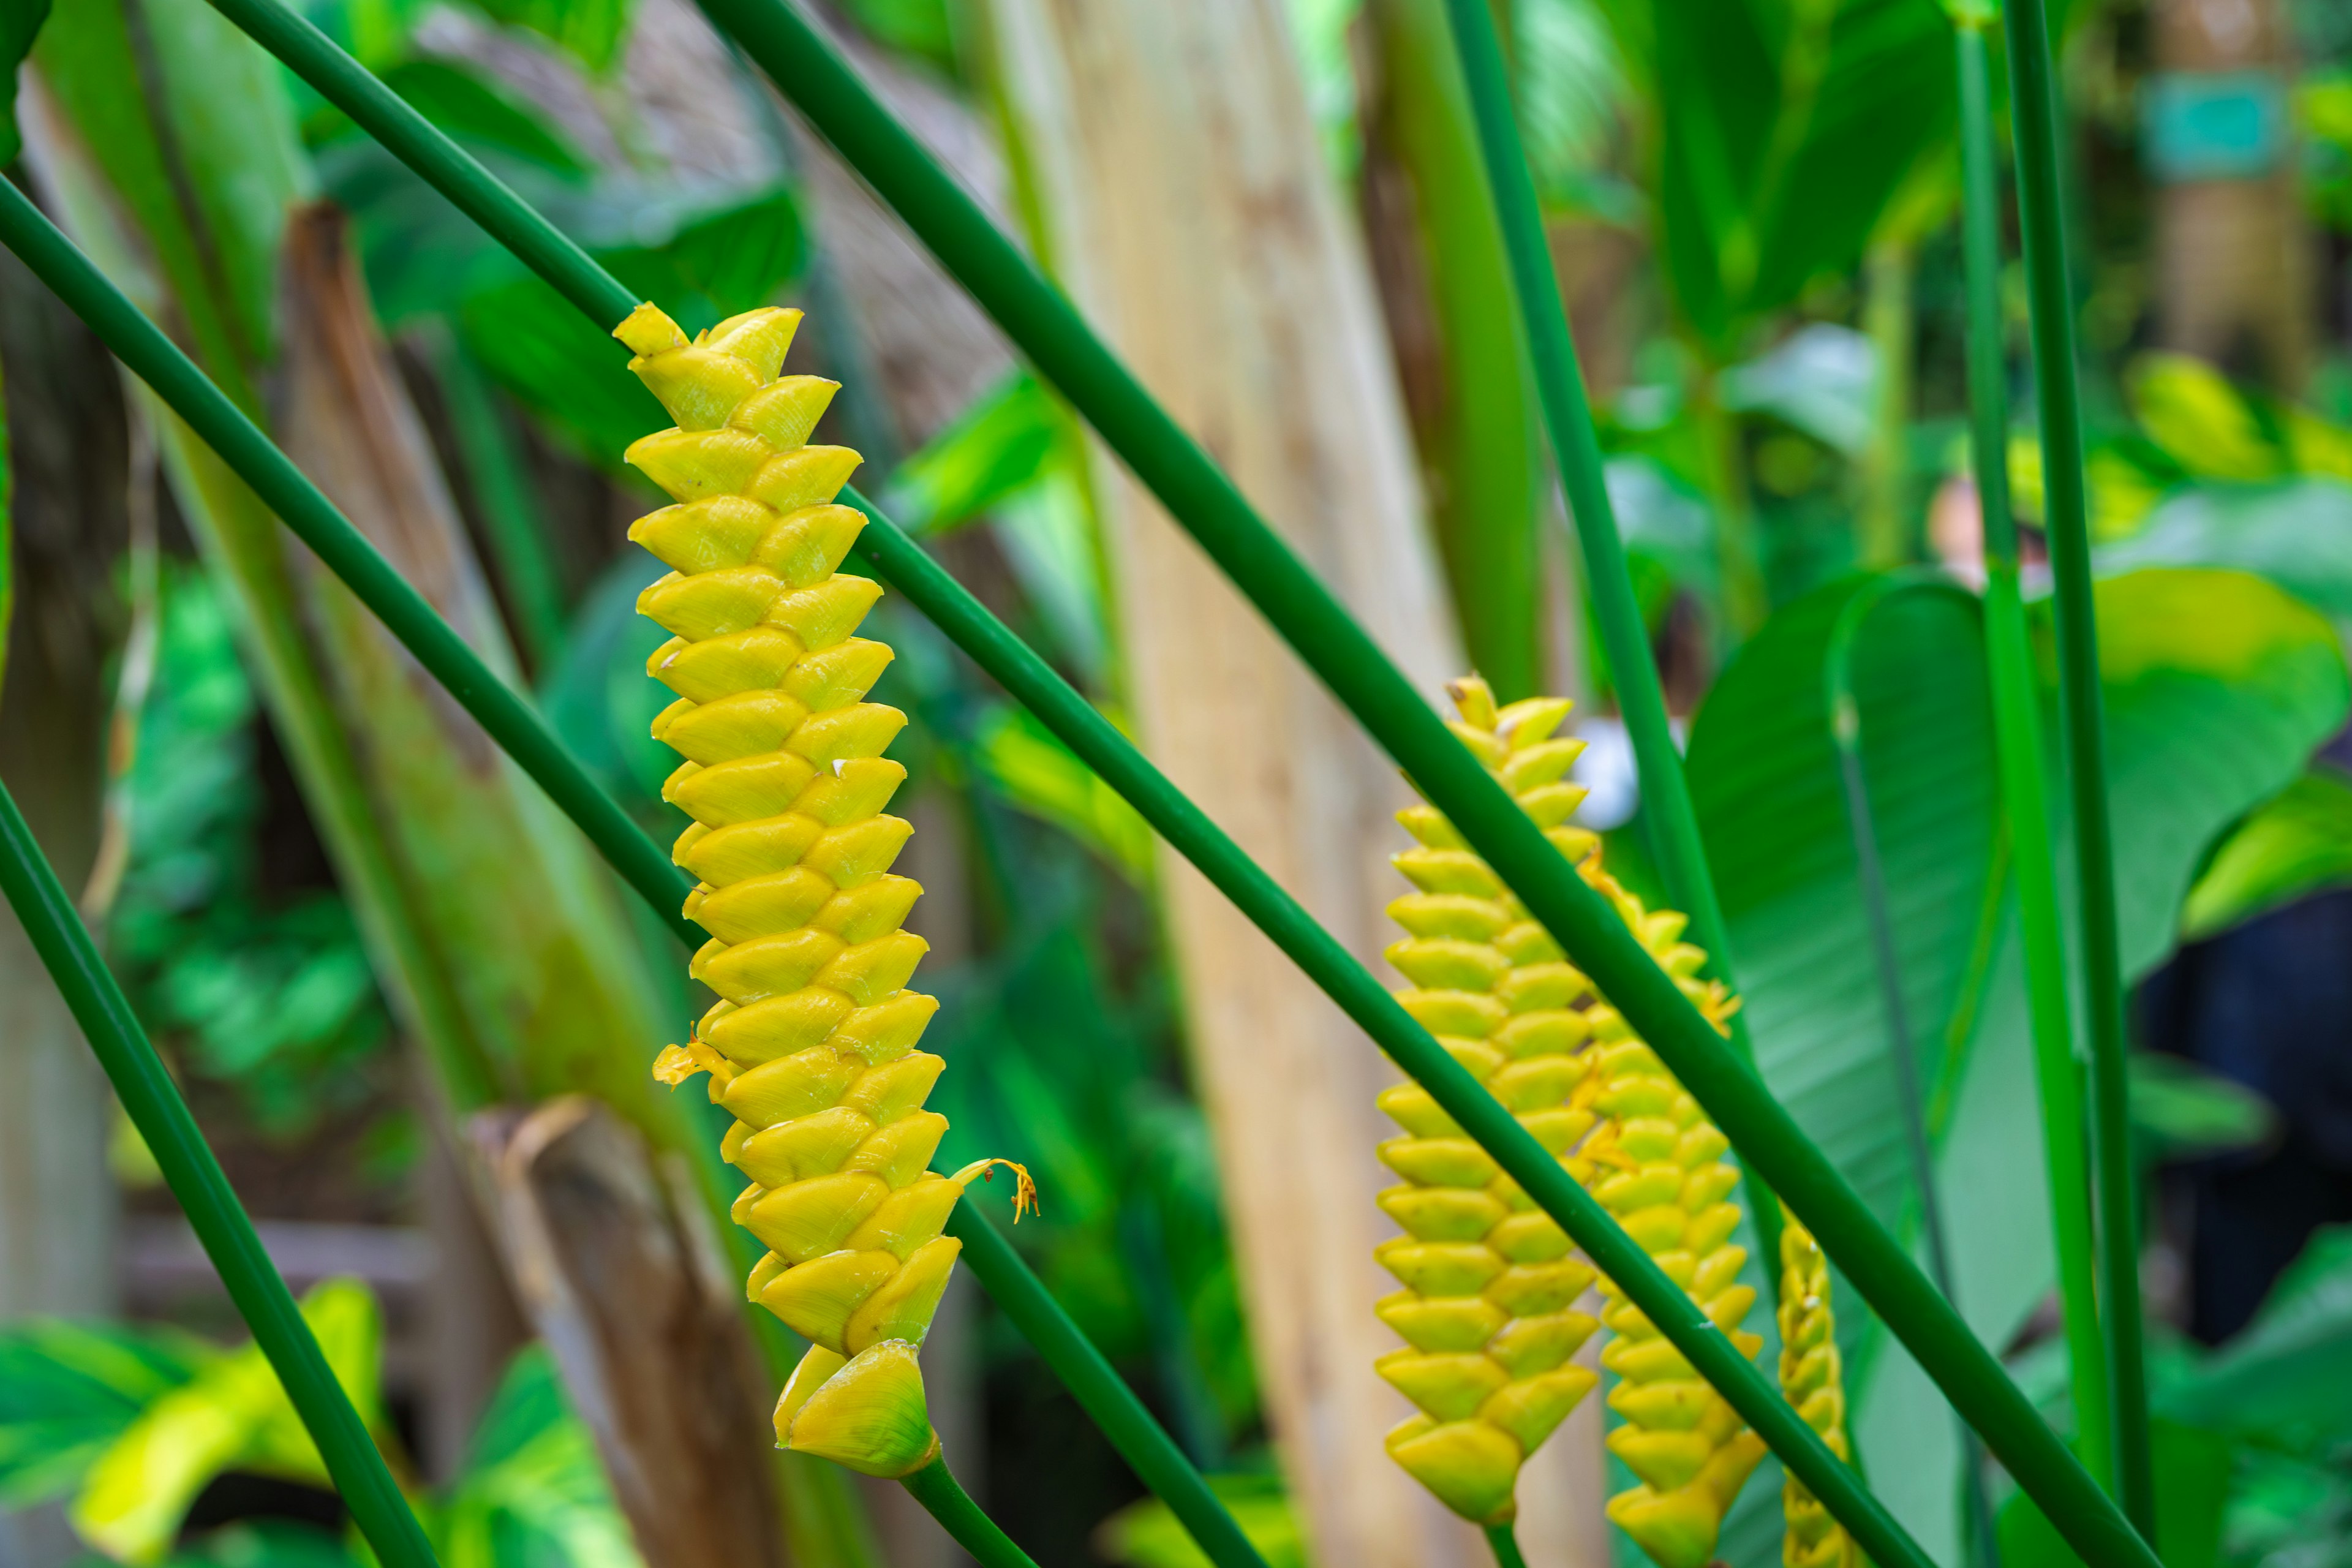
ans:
(1355, 670)
(935, 1488)
(513, 521)
(2034, 103)
(1146, 1446)
(1576, 446)
(1505, 1542)
(155, 1107)
(2017, 724)
(1878, 908)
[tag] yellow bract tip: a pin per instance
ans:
(649, 332)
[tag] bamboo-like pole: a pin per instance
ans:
(1361, 677)
(2017, 734)
(154, 1103)
(1576, 446)
(2034, 108)
(140, 342)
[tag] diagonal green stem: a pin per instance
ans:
(2017, 721)
(1576, 446)
(934, 1486)
(2033, 104)
(1303, 612)
(1505, 1544)
(1321, 955)
(154, 1103)
(1146, 1446)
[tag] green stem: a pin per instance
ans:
(155, 1107)
(1576, 446)
(513, 521)
(2017, 721)
(935, 1488)
(1362, 678)
(2033, 99)
(1505, 1542)
(1141, 1441)
(1887, 315)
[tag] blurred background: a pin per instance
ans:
(414, 1014)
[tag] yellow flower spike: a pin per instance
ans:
(1486, 1309)
(813, 1043)
(1813, 1380)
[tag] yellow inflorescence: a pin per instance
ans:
(811, 1046)
(1811, 1380)
(1488, 1311)
(1487, 1308)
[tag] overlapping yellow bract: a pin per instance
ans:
(811, 1046)
(1812, 1381)
(1487, 1308)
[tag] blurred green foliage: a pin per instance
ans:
(267, 989)
(136, 1422)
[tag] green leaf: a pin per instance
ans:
(474, 110)
(2282, 1379)
(1782, 132)
(718, 259)
(1147, 1535)
(590, 30)
(2218, 685)
(67, 1391)
(1037, 772)
(2190, 409)
(2182, 1111)
(232, 1414)
(532, 1491)
(2297, 843)
(20, 23)
(1004, 443)
(2298, 533)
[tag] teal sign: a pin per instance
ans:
(2213, 125)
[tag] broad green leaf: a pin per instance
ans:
(2297, 843)
(2282, 1379)
(1002, 444)
(532, 1491)
(2182, 1113)
(474, 111)
(2298, 533)
(2190, 410)
(1036, 773)
(233, 1414)
(1147, 1535)
(592, 31)
(725, 255)
(19, 22)
(2218, 685)
(67, 1391)
(1781, 132)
